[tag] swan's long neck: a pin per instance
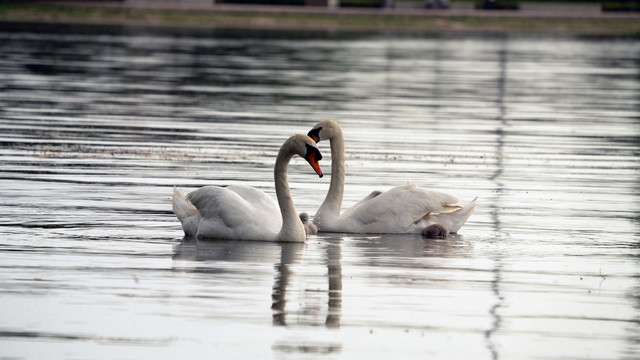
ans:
(292, 228)
(332, 204)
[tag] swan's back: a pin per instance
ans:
(396, 210)
(226, 214)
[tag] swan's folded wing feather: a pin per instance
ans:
(398, 208)
(223, 212)
(366, 199)
(262, 202)
(217, 203)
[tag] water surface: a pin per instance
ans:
(98, 125)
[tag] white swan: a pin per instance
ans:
(403, 209)
(245, 213)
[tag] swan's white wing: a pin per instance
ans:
(349, 211)
(224, 214)
(259, 199)
(396, 210)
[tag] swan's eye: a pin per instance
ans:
(315, 134)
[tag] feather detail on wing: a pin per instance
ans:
(451, 220)
(263, 203)
(366, 199)
(397, 209)
(234, 210)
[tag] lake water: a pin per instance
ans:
(98, 124)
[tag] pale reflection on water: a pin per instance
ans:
(98, 124)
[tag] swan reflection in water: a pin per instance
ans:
(334, 275)
(229, 257)
(299, 293)
(238, 259)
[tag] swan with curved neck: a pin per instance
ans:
(403, 209)
(241, 212)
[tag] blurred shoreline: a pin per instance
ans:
(459, 18)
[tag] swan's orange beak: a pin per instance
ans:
(311, 159)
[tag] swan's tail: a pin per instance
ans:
(454, 220)
(186, 212)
